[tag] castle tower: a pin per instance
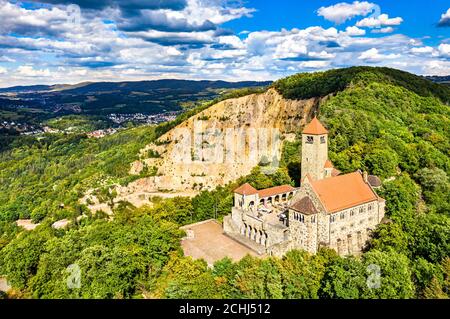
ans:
(314, 150)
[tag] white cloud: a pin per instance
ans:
(373, 56)
(444, 50)
(29, 71)
(381, 20)
(422, 50)
(22, 21)
(383, 30)
(354, 31)
(3, 70)
(436, 67)
(341, 12)
(198, 11)
(290, 49)
(315, 64)
(324, 55)
(445, 19)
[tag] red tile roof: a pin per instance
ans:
(315, 128)
(304, 206)
(275, 190)
(246, 189)
(343, 191)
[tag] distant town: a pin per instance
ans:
(24, 128)
(143, 118)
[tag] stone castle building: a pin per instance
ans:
(328, 209)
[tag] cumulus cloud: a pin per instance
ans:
(444, 50)
(341, 12)
(315, 64)
(383, 30)
(122, 4)
(381, 20)
(445, 19)
(436, 67)
(354, 31)
(422, 50)
(195, 16)
(29, 71)
(373, 56)
(15, 19)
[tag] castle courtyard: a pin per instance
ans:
(207, 240)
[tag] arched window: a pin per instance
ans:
(309, 139)
(322, 140)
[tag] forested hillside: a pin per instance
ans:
(391, 123)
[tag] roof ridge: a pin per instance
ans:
(315, 127)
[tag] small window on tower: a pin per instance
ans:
(309, 139)
(322, 139)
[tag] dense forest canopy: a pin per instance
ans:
(391, 123)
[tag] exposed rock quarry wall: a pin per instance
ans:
(191, 161)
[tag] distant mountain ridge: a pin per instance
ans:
(132, 85)
(39, 102)
(439, 78)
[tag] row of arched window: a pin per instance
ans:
(343, 215)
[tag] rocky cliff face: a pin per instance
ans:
(221, 143)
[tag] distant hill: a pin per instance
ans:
(444, 79)
(142, 86)
(102, 98)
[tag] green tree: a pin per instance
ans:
(382, 162)
(184, 277)
(436, 188)
(344, 278)
(390, 236)
(256, 278)
(19, 259)
(395, 275)
(301, 274)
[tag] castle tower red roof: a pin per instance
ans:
(315, 128)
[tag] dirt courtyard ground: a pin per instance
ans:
(206, 240)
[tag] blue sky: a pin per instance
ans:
(58, 41)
